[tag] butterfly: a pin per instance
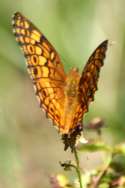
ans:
(64, 97)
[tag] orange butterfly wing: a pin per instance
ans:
(44, 66)
(89, 78)
(50, 81)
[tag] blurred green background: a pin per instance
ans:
(30, 147)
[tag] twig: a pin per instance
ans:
(101, 175)
(77, 167)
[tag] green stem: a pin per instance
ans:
(77, 167)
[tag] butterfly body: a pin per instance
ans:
(71, 101)
(64, 97)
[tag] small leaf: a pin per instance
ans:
(120, 149)
(93, 147)
(104, 185)
(66, 165)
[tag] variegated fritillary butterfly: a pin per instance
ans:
(65, 98)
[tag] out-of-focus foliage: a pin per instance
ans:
(30, 147)
(110, 175)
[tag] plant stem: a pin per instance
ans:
(77, 167)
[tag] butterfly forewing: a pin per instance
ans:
(90, 75)
(43, 64)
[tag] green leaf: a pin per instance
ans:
(93, 147)
(119, 149)
(104, 185)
